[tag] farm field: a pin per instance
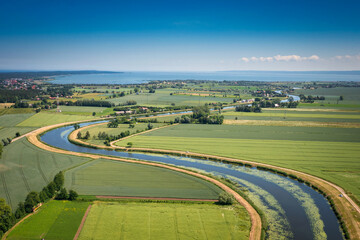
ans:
(44, 119)
(25, 168)
(83, 110)
(162, 97)
(115, 178)
(165, 221)
(351, 95)
(16, 110)
(329, 153)
(8, 123)
(56, 220)
(114, 131)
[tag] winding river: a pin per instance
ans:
(292, 209)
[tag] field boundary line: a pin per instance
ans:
(82, 222)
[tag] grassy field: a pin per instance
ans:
(44, 119)
(16, 111)
(71, 110)
(330, 153)
(351, 95)
(25, 168)
(165, 221)
(8, 123)
(106, 177)
(56, 220)
(162, 97)
(114, 131)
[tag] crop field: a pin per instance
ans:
(165, 221)
(330, 153)
(80, 109)
(48, 118)
(16, 111)
(115, 178)
(114, 131)
(56, 220)
(351, 95)
(8, 123)
(162, 97)
(25, 168)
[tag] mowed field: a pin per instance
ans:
(48, 118)
(25, 168)
(162, 97)
(82, 110)
(56, 220)
(94, 131)
(165, 221)
(330, 153)
(115, 178)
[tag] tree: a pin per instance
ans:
(32, 199)
(129, 144)
(341, 98)
(79, 135)
(131, 126)
(59, 180)
(73, 195)
(17, 134)
(51, 188)
(76, 126)
(87, 135)
(94, 113)
(150, 126)
(62, 195)
(6, 216)
(20, 211)
(225, 199)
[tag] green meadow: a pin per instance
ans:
(8, 123)
(114, 131)
(56, 220)
(115, 178)
(330, 153)
(165, 221)
(162, 97)
(48, 118)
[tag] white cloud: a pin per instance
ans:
(286, 58)
(346, 57)
(245, 59)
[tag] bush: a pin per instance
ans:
(73, 195)
(225, 199)
(62, 195)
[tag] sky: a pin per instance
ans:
(174, 35)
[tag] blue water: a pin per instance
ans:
(298, 221)
(266, 76)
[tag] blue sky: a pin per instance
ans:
(182, 35)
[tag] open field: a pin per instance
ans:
(25, 168)
(5, 105)
(8, 123)
(114, 178)
(56, 220)
(114, 131)
(351, 95)
(165, 221)
(329, 153)
(162, 97)
(43, 119)
(80, 109)
(16, 111)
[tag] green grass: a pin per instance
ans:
(114, 131)
(334, 156)
(56, 220)
(162, 97)
(106, 177)
(165, 221)
(44, 119)
(80, 110)
(16, 111)
(351, 95)
(8, 124)
(292, 114)
(25, 168)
